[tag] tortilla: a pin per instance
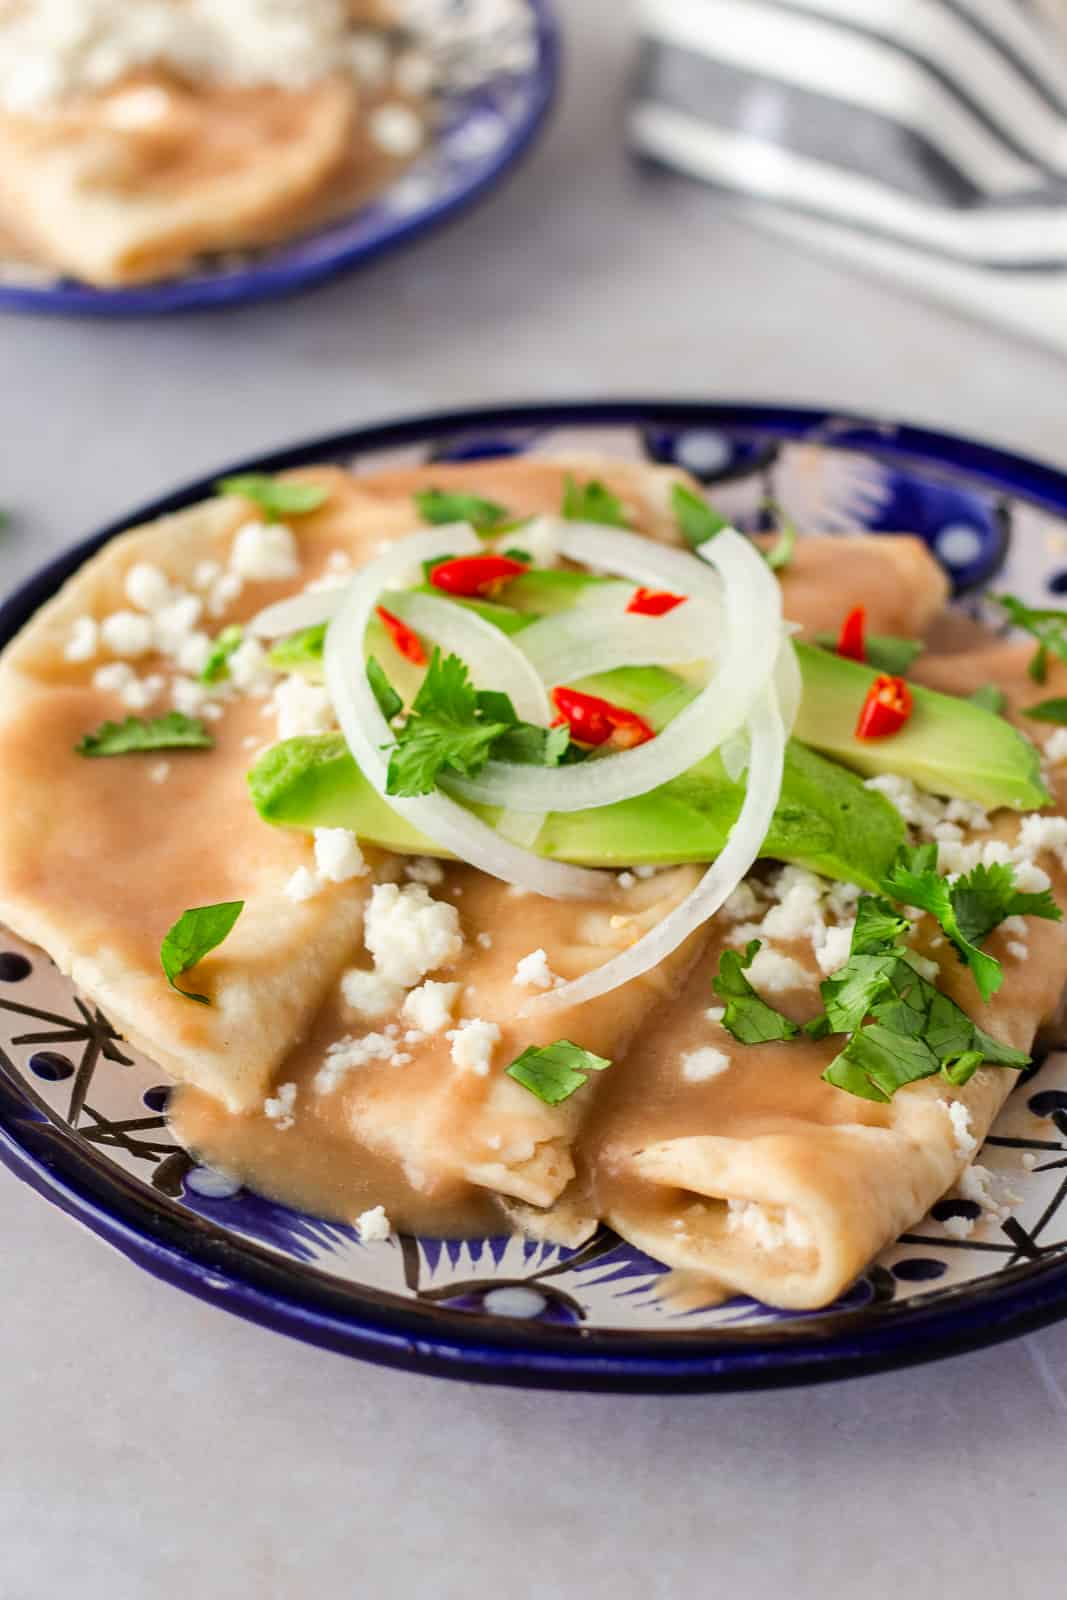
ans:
(116, 204)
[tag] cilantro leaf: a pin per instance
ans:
(175, 731)
(555, 1071)
(780, 553)
(592, 502)
(697, 521)
(196, 933)
(389, 702)
(216, 666)
(748, 1016)
(886, 652)
(1048, 711)
(989, 696)
(878, 927)
(877, 1061)
(301, 649)
(967, 910)
(275, 498)
(1047, 625)
(533, 746)
(440, 506)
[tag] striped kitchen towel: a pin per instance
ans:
(926, 139)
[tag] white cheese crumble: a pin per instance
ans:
(534, 972)
(136, 694)
(347, 1054)
(223, 592)
(249, 667)
(960, 1117)
(700, 1065)
(205, 574)
(484, 941)
(768, 1227)
(472, 1044)
(83, 641)
(193, 652)
(429, 1007)
(303, 884)
(715, 1013)
(160, 772)
(626, 880)
(1056, 747)
(959, 1227)
(775, 973)
(374, 1226)
(263, 551)
(979, 1185)
(395, 129)
(278, 1108)
(834, 950)
(147, 586)
(338, 856)
(127, 633)
(174, 622)
(1018, 950)
(369, 994)
(742, 905)
(193, 699)
(1029, 1160)
(424, 869)
(410, 934)
(301, 708)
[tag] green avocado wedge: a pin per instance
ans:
(825, 818)
(948, 745)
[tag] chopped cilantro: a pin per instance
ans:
(439, 506)
(455, 727)
(515, 554)
(780, 553)
(748, 1017)
(886, 652)
(301, 649)
(275, 498)
(989, 697)
(196, 933)
(697, 521)
(592, 502)
(389, 702)
(969, 909)
(555, 1071)
(175, 731)
(1048, 711)
(216, 667)
(1048, 626)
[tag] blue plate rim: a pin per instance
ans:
(270, 279)
(237, 1275)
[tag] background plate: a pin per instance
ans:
(81, 1116)
(482, 129)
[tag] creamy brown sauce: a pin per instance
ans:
(442, 1148)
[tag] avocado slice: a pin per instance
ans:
(948, 745)
(825, 818)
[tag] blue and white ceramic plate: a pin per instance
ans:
(81, 1115)
(492, 101)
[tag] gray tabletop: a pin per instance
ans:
(151, 1445)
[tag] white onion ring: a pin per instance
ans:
(741, 849)
(494, 660)
(751, 638)
(301, 611)
(577, 644)
(366, 731)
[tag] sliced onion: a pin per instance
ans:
(366, 732)
(494, 660)
(721, 879)
(646, 563)
(751, 636)
(789, 683)
(302, 611)
(577, 644)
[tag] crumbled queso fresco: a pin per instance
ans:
(374, 1226)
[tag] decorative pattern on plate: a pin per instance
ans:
(83, 1117)
(496, 67)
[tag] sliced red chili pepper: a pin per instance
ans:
(404, 638)
(886, 709)
(654, 602)
(594, 721)
(468, 576)
(851, 641)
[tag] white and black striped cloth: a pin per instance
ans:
(923, 138)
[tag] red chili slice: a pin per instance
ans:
(654, 602)
(851, 641)
(404, 638)
(473, 576)
(594, 721)
(886, 709)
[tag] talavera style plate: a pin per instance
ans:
(81, 1115)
